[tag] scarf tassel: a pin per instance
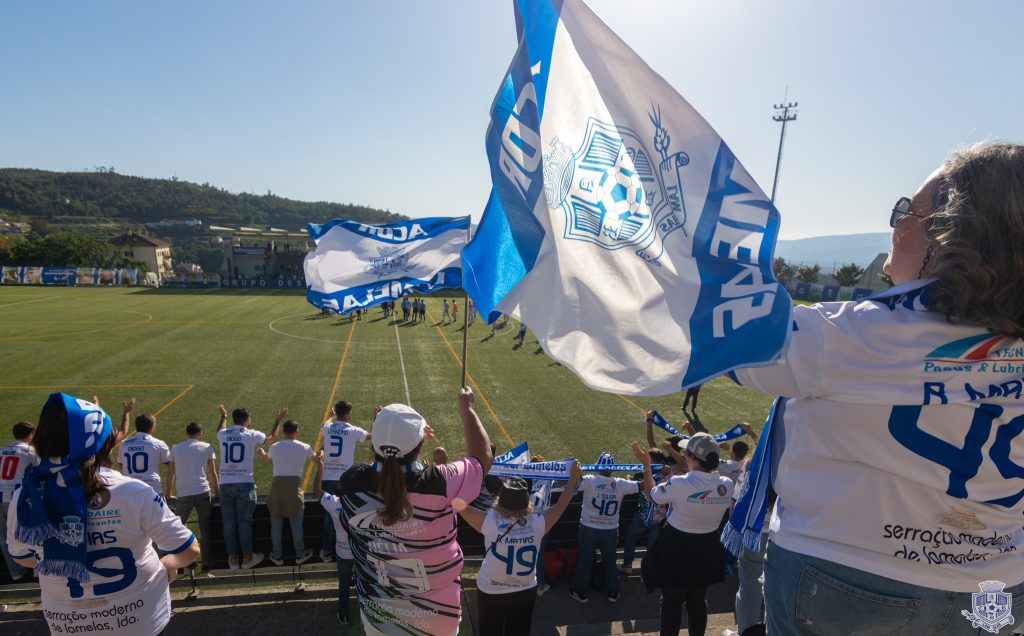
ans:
(64, 568)
(37, 534)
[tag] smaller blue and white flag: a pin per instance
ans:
(518, 455)
(356, 265)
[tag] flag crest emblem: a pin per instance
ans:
(612, 193)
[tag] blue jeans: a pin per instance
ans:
(330, 536)
(277, 529)
(345, 568)
(237, 503)
(637, 527)
(750, 595)
(806, 595)
(591, 539)
(16, 571)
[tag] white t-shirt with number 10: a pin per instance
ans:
(237, 450)
(16, 459)
(339, 447)
(140, 457)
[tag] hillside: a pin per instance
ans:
(828, 250)
(106, 198)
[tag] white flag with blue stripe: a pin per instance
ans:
(356, 265)
(620, 226)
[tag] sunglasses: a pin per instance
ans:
(901, 211)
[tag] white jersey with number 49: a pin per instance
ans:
(127, 593)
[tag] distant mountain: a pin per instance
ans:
(72, 198)
(837, 249)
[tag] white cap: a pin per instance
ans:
(397, 430)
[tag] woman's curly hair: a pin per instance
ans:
(976, 239)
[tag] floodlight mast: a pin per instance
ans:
(785, 117)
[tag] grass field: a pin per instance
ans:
(181, 353)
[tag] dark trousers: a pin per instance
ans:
(506, 614)
(329, 535)
(203, 505)
(345, 567)
(672, 600)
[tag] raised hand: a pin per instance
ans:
(641, 453)
(465, 397)
(127, 406)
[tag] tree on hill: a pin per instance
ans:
(104, 194)
(66, 249)
(783, 272)
(808, 273)
(848, 274)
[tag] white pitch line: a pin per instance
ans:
(22, 302)
(401, 359)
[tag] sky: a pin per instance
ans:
(386, 103)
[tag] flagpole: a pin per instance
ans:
(465, 314)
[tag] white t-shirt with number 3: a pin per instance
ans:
(902, 443)
(339, 447)
(128, 593)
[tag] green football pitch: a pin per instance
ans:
(181, 353)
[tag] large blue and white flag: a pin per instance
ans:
(620, 226)
(355, 265)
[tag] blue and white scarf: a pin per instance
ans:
(747, 519)
(554, 470)
(662, 423)
(52, 511)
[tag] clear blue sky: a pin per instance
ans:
(386, 103)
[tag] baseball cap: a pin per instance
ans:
(514, 494)
(701, 445)
(397, 430)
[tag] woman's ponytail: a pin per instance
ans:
(391, 488)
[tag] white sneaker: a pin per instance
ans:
(233, 564)
(276, 560)
(729, 632)
(543, 588)
(326, 556)
(253, 561)
(306, 556)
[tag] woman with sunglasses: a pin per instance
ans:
(898, 450)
